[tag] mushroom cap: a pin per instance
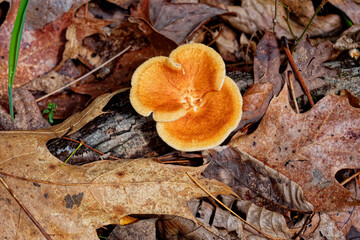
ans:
(160, 84)
(210, 125)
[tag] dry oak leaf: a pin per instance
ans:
(70, 202)
(39, 49)
(257, 15)
(309, 148)
(194, 104)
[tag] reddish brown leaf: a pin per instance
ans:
(309, 148)
(39, 50)
(178, 21)
(267, 63)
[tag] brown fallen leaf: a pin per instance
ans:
(178, 20)
(350, 7)
(28, 115)
(252, 16)
(267, 63)
(308, 59)
(254, 181)
(70, 202)
(267, 80)
(39, 49)
(309, 148)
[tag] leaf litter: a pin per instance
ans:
(298, 196)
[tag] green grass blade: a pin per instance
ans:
(14, 49)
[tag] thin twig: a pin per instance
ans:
(350, 178)
(292, 91)
(275, 14)
(217, 200)
(297, 73)
(86, 9)
(37, 224)
(84, 144)
(217, 36)
(84, 76)
(323, 2)
(288, 10)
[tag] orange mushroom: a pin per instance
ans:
(195, 105)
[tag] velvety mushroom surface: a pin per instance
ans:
(195, 105)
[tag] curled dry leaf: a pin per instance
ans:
(309, 148)
(219, 223)
(253, 180)
(70, 202)
(28, 115)
(39, 49)
(252, 16)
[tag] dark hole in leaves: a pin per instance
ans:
(4, 9)
(344, 174)
(104, 231)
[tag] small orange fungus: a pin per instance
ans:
(194, 104)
